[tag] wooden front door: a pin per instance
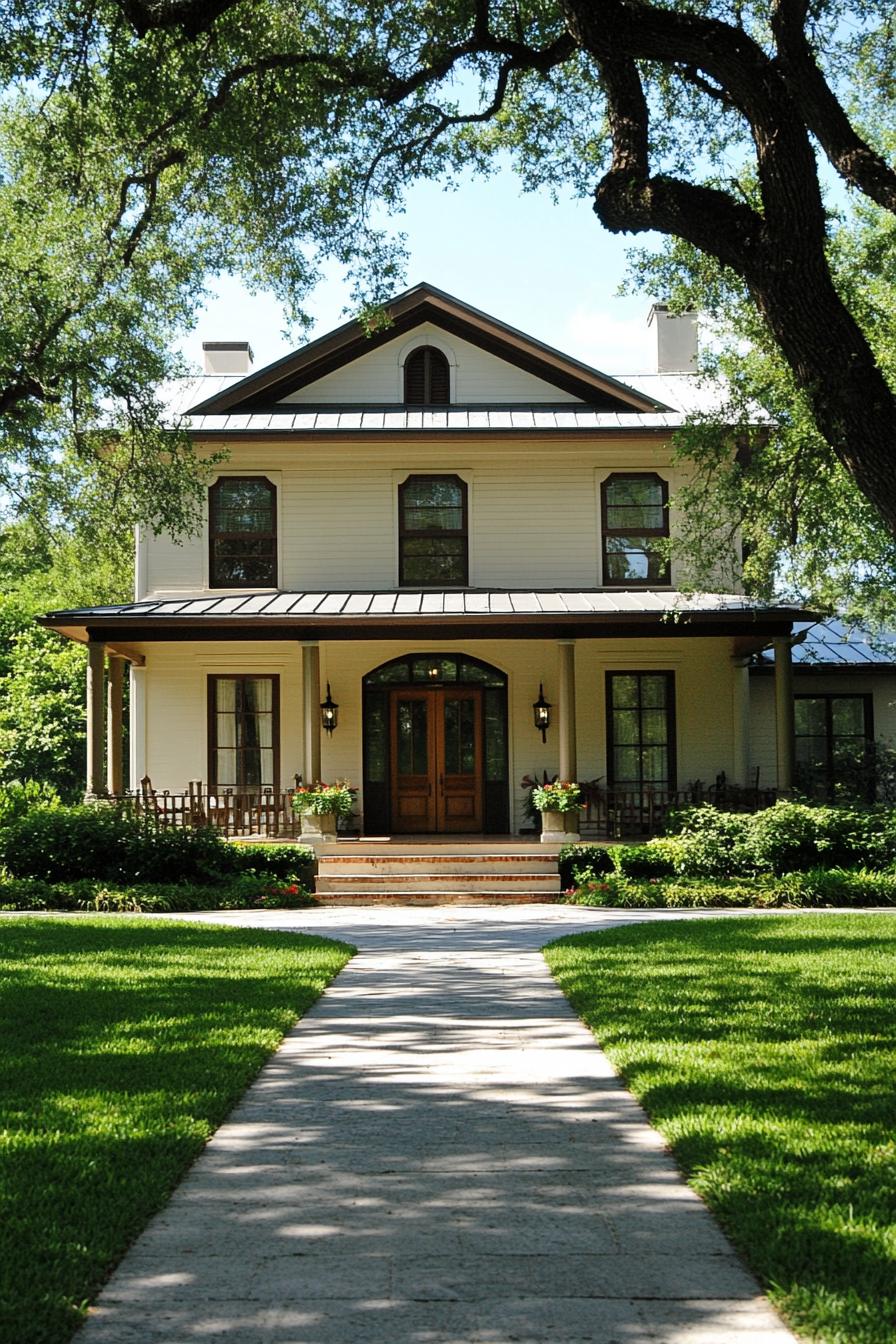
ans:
(436, 759)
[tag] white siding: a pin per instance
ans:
(534, 511)
(476, 376)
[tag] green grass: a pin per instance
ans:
(765, 1052)
(123, 1045)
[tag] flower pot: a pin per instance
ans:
(559, 828)
(318, 828)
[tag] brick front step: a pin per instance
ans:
(449, 872)
(441, 898)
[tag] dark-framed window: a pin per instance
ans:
(244, 732)
(427, 377)
(242, 532)
(833, 737)
(641, 729)
(432, 532)
(634, 519)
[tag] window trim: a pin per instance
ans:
(607, 531)
(212, 727)
(672, 726)
(213, 535)
(427, 350)
(463, 531)
(829, 697)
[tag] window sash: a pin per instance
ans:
(640, 729)
(244, 732)
(432, 555)
(242, 534)
(820, 747)
(627, 501)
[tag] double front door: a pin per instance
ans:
(436, 759)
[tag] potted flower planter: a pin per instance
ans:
(558, 803)
(559, 828)
(318, 827)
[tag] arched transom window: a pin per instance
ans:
(427, 379)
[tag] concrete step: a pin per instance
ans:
(416, 848)
(408, 864)
(423, 882)
(514, 897)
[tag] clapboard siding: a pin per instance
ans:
(476, 376)
(534, 511)
(176, 679)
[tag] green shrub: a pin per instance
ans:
(16, 799)
(101, 841)
(839, 886)
(784, 838)
(28, 893)
(656, 858)
(617, 891)
(291, 863)
(578, 863)
(710, 843)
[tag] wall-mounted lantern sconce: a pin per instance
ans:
(329, 712)
(541, 709)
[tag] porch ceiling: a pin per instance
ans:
(432, 614)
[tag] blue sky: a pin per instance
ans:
(550, 270)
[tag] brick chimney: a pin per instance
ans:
(676, 339)
(227, 356)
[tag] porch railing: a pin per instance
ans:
(610, 813)
(614, 813)
(232, 812)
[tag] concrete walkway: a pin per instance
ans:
(438, 1153)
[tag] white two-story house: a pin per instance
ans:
(432, 564)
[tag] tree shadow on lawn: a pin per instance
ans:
(767, 1059)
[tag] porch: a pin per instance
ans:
(608, 814)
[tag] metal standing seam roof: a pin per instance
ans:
(350, 605)
(382, 420)
(834, 644)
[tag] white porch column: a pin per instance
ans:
(95, 718)
(566, 707)
(114, 742)
(784, 712)
(137, 724)
(311, 710)
(740, 711)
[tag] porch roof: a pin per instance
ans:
(431, 614)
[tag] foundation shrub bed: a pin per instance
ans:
(578, 863)
(42, 839)
(250, 891)
(656, 858)
(816, 888)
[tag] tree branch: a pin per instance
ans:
(853, 158)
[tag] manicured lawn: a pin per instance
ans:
(765, 1052)
(123, 1044)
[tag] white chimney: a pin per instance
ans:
(227, 356)
(676, 340)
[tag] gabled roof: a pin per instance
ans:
(262, 391)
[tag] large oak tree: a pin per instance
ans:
(148, 142)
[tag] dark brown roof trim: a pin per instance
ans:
(266, 388)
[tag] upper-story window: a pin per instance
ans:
(242, 529)
(432, 531)
(427, 379)
(635, 519)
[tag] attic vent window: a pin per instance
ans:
(427, 381)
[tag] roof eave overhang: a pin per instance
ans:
(754, 628)
(263, 390)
